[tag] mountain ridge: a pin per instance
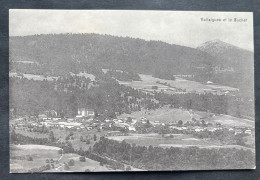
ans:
(58, 54)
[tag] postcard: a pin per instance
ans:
(130, 90)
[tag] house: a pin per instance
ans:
(69, 125)
(248, 132)
(131, 128)
(82, 112)
(209, 91)
(42, 116)
(199, 129)
(211, 129)
(51, 113)
(178, 128)
(156, 122)
(11, 114)
(238, 131)
(88, 128)
(56, 119)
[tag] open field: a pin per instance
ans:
(164, 115)
(34, 77)
(90, 165)
(38, 77)
(79, 166)
(232, 121)
(39, 154)
(147, 81)
(158, 140)
(169, 115)
(178, 140)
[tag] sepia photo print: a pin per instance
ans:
(130, 90)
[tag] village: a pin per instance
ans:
(86, 120)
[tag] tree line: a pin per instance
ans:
(173, 158)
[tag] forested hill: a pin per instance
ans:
(61, 53)
(228, 55)
(235, 65)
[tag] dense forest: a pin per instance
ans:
(107, 97)
(73, 52)
(67, 94)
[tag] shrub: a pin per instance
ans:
(154, 87)
(88, 141)
(128, 168)
(82, 159)
(71, 162)
(60, 151)
(30, 158)
(48, 167)
(66, 167)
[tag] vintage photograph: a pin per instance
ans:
(130, 90)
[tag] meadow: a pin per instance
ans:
(163, 115)
(39, 154)
(35, 77)
(79, 166)
(173, 115)
(176, 140)
(148, 81)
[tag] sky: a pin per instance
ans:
(175, 27)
